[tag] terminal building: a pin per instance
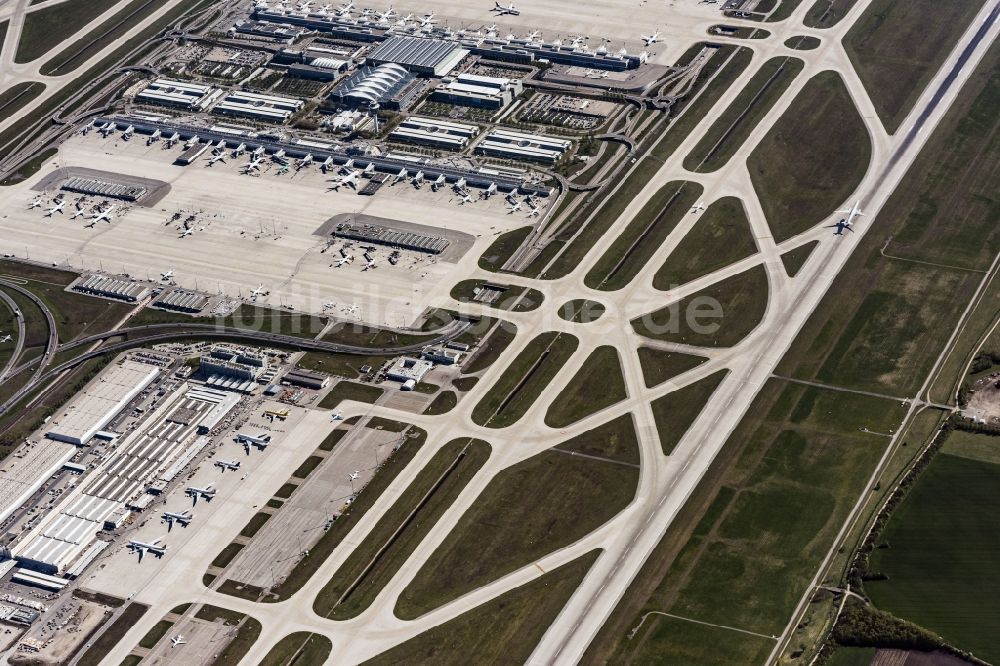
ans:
(390, 86)
(257, 106)
(515, 145)
(100, 401)
(65, 540)
(232, 369)
(181, 300)
(179, 94)
(420, 55)
(434, 132)
(307, 378)
(108, 287)
(485, 92)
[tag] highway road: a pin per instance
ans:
(53, 333)
(17, 336)
(666, 482)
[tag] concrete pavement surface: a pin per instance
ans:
(665, 482)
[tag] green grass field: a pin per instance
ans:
(443, 402)
(659, 366)
(18, 95)
(518, 299)
(718, 316)
(790, 474)
(720, 237)
(812, 159)
(675, 412)
(76, 315)
(45, 29)
(502, 631)
(246, 635)
(581, 311)
(524, 380)
(886, 318)
(491, 348)
(345, 390)
(942, 548)
(341, 365)
(732, 127)
(90, 44)
(794, 260)
(247, 316)
(827, 13)
(632, 248)
(726, 72)
(896, 50)
(528, 510)
(301, 647)
(394, 538)
(716, 76)
(502, 248)
(598, 384)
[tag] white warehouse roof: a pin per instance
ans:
(100, 401)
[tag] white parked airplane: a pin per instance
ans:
(698, 207)
(142, 547)
(227, 464)
(194, 493)
(427, 20)
(167, 274)
(177, 640)
(260, 441)
(387, 15)
(534, 211)
(370, 265)
(171, 517)
(343, 260)
(304, 162)
(258, 292)
(345, 8)
(466, 198)
(36, 203)
(533, 35)
(185, 233)
(252, 165)
(502, 10)
(101, 215)
(6, 338)
(221, 157)
(58, 208)
(515, 206)
(351, 180)
(649, 40)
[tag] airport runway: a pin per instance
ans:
(665, 481)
